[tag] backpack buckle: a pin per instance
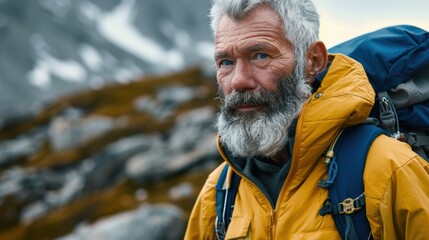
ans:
(348, 206)
(388, 116)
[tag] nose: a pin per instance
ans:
(243, 78)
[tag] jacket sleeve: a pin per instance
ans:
(404, 208)
(203, 215)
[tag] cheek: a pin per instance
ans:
(274, 74)
(224, 84)
(267, 80)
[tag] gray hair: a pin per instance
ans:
(300, 19)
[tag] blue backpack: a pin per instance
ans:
(394, 59)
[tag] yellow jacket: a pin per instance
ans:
(396, 180)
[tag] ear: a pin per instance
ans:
(317, 60)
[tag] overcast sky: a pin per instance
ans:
(342, 20)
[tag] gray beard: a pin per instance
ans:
(249, 134)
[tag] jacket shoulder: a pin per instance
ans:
(396, 193)
(386, 157)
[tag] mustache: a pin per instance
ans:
(272, 99)
(236, 99)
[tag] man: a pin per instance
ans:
(276, 123)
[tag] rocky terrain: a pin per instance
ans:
(124, 161)
(107, 113)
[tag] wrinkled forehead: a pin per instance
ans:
(256, 19)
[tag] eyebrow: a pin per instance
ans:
(249, 49)
(257, 47)
(220, 55)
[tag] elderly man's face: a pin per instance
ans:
(252, 53)
(261, 89)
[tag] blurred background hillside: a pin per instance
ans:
(106, 117)
(54, 47)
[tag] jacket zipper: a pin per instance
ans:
(272, 223)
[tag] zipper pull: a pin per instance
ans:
(272, 221)
(273, 213)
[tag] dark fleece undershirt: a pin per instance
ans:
(271, 176)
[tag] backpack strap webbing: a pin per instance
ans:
(418, 141)
(346, 201)
(226, 190)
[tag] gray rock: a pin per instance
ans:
(108, 165)
(131, 145)
(167, 99)
(65, 133)
(154, 165)
(177, 94)
(71, 188)
(181, 190)
(10, 181)
(145, 104)
(149, 222)
(190, 128)
(191, 142)
(21, 147)
(141, 194)
(33, 211)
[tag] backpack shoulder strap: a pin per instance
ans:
(226, 190)
(346, 200)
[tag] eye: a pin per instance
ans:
(261, 56)
(225, 62)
